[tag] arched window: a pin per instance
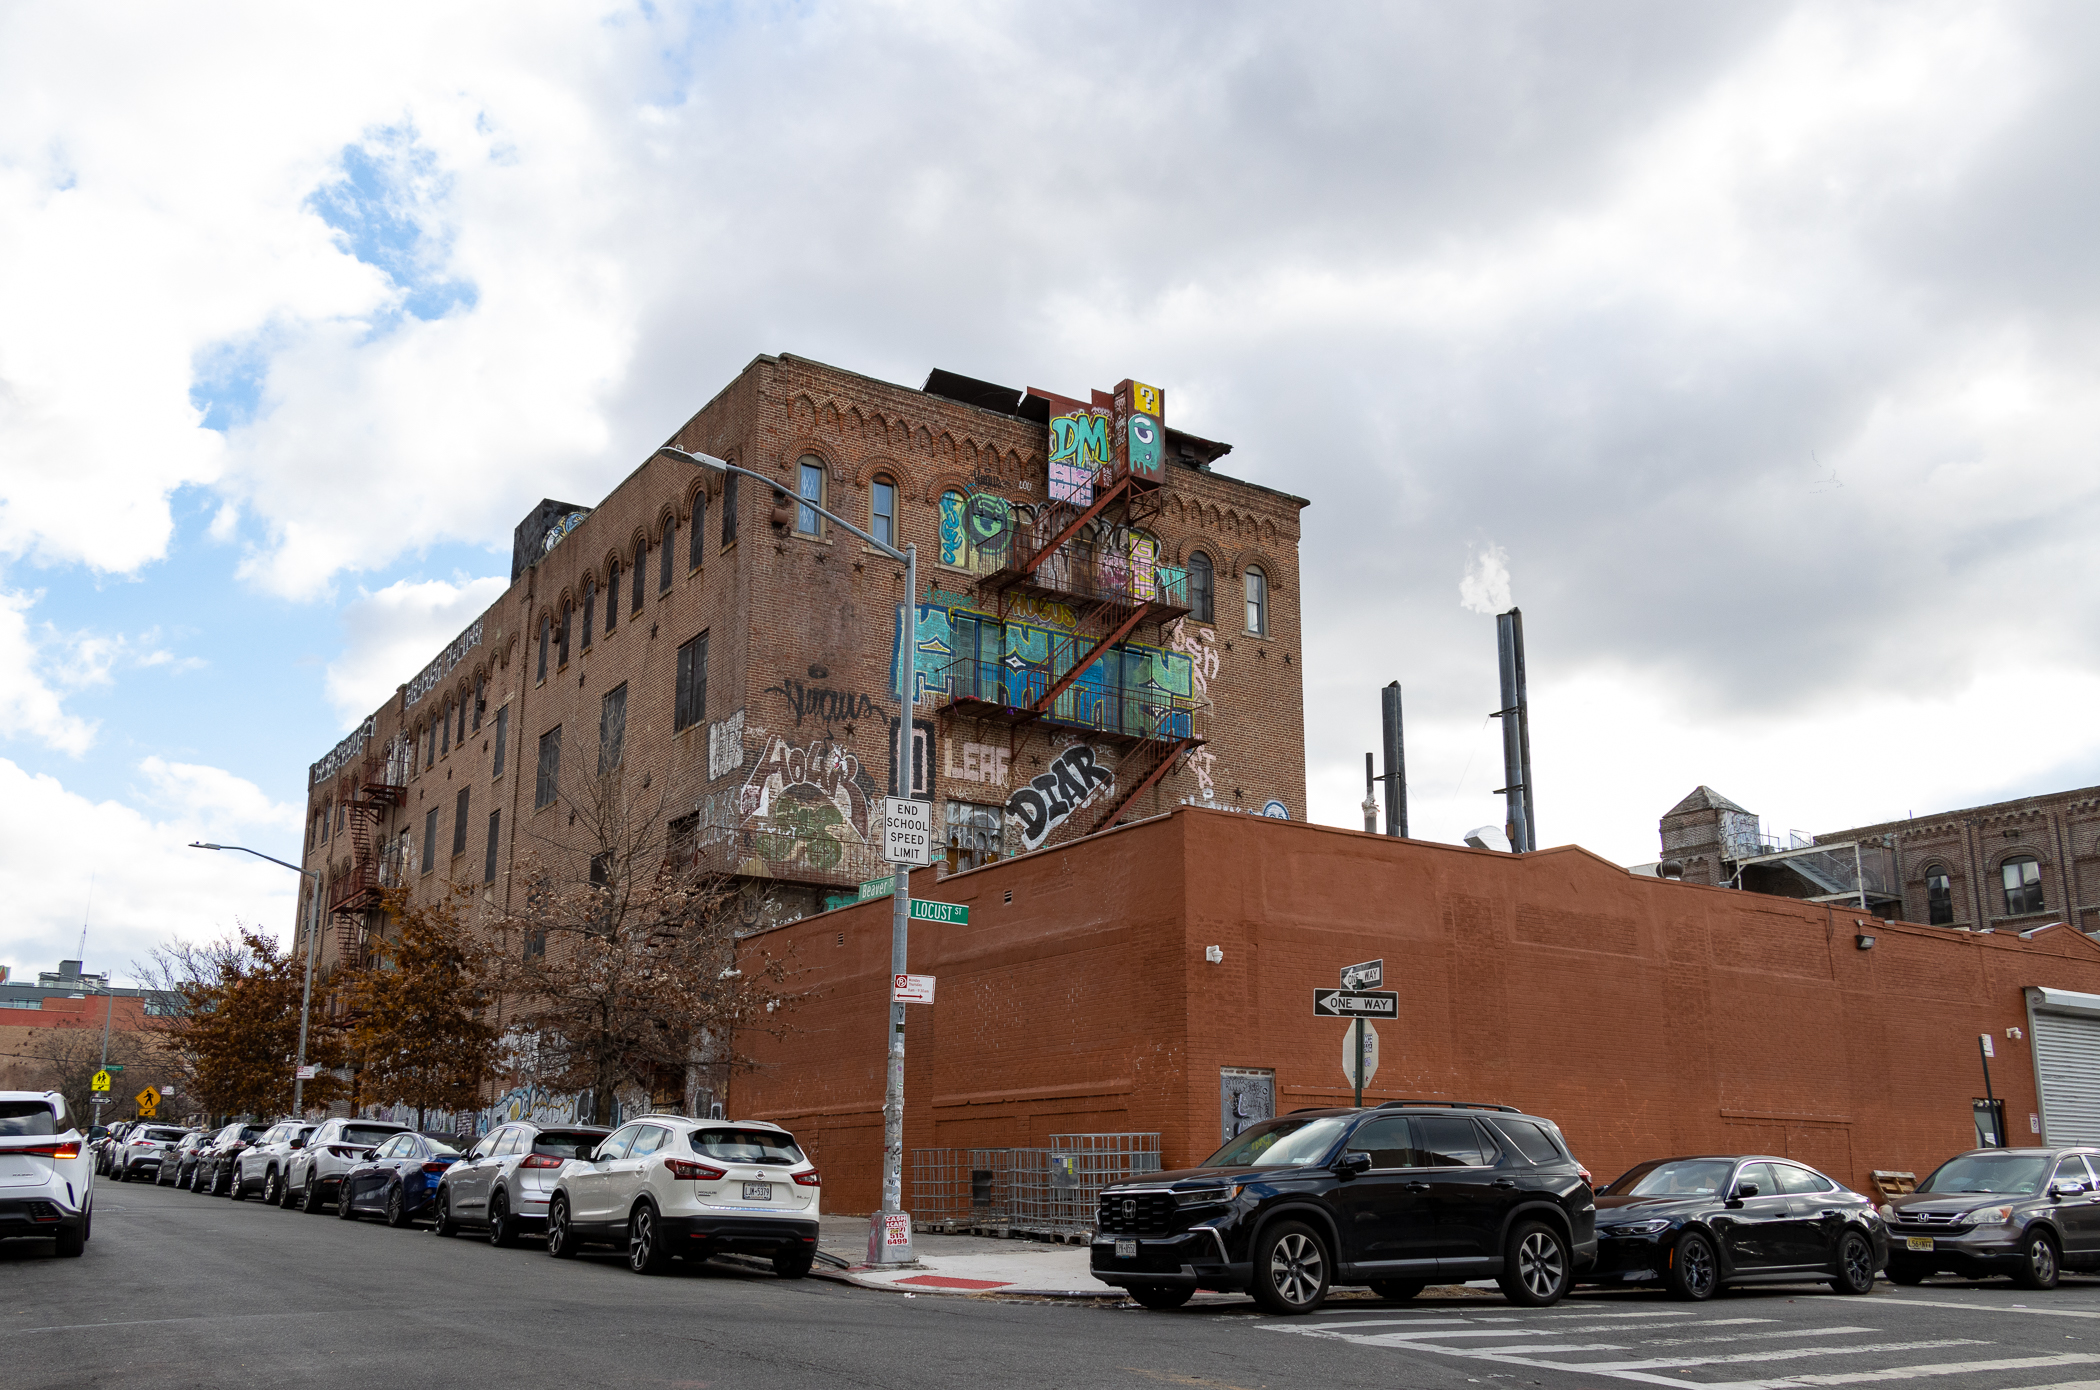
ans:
(480, 700)
(697, 542)
(663, 567)
(1202, 580)
(612, 596)
(562, 655)
(641, 567)
(2023, 885)
(445, 731)
(1939, 896)
(590, 609)
(882, 511)
(809, 484)
(729, 508)
(543, 647)
(1257, 601)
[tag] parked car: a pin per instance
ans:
(1398, 1198)
(2029, 1213)
(260, 1167)
(668, 1186)
(104, 1141)
(214, 1173)
(179, 1168)
(316, 1171)
(400, 1180)
(1696, 1225)
(503, 1182)
(141, 1151)
(45, 1171)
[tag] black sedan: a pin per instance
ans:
(1695, 1225)
(400, 1180)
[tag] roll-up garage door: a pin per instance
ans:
(2067, 1063)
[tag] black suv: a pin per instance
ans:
(1407, 1195)
(2030, 1213)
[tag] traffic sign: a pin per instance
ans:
(1370, 1052)
(100, 1081)
(305, 1073)
(1368, 974)
(954, 913)
(911, 989)
(1341, 1003)
(907, 831)
(148, 1099)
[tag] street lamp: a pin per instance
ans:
(307, 998)
(882, 1247)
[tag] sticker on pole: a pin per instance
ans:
(305, 1073)
(907, 831)
(1370, 1052)
(911, 989)
(896, 1230)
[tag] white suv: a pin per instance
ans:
(668, 1186)
(139, 1154)
(47, 1180)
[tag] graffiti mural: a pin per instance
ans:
(1141, 429)
(1072, 782)
(1200, 644)
(1203, 763)
(978, 762)
(725, 746)
(1079, 450)
(808, 808)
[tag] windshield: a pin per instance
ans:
(746, 1146)
(369, 1134)
(27, 1117)
(1677, 1177)
(164, 1135)
(2014, 1175)
(563, 1143)
(1280, 1143)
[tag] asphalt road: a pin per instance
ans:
(180, 1290)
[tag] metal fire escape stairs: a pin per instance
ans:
(380, 784)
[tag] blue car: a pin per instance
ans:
(400, 1180)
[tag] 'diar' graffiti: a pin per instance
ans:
(1074, 779)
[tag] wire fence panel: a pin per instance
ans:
(1050, 1191)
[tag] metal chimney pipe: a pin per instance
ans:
(1531, 810)
(1370, 802)
(1395, 762)
(1512, 789)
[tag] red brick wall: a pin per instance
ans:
(1646, 1017)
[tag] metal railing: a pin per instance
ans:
(1090, 702)
(1052, 1191)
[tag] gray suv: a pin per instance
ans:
(504, 1181)
(2029, 1213)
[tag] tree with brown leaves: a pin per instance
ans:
(419, 1011)
(236, 1030)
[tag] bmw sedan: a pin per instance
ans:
(1696, 1225)
(399, 1181)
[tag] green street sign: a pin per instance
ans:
(954, 913)
(878, 888)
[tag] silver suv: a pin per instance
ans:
(316, 1170)
(2029, 1213)
(261, 1168)
(139, 1154)
(504, 1181)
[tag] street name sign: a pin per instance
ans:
(954, 914)
(1368, 974)
(911, 989)
(907, 831)
(1370, 1052)
(100, 1081)
(1341, 1003)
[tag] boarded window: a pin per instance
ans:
(488, 865)
(543, 647)
(502, 738)
(459, 824)
(481, 704)
(641, 561)
(691, 704)
(430, 840)
(568, 615)
(549, 783)
(663, 564)
(612, 597)
(590, 609)
(612, 728)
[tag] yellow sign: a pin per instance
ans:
(100, 1083)
(149, 1101)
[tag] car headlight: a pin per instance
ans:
(1888, 1213)
(1637, 1228)
(1993, 1216)
(1202, 1196)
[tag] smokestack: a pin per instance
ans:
(1370, 802)
(1395, 762)
(1516, 749)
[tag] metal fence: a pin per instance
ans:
(1050, 1191)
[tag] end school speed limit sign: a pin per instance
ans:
(907, 831)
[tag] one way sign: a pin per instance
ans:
(1341, 1003)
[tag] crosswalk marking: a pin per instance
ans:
(1671, 1363)
(1945, 1368)
(1757, 1336)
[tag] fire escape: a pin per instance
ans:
(378, 785)
(1080, 555)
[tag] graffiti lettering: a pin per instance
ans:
(1200, 645)
(978, 762)
(1048, 801)
(426, 680)
(725, 746)
(823, 703)
(339, 756)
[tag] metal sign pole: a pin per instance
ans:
(1359, 1025)
(885, 1249)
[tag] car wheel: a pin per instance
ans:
(1290, 1269)
(310, 1196)
(121, 1175)
(342, 1201)
(1695, 1273)
(396, 1207)
(645, 1242)
(235, 1189)
(793, 1264)
(72, 1240)
(561, 1241)
(1855, 1265)
(441, 1224)
(503, 1232)
(1536, 1270)
(1161, 1297)
(1398, 1290)
(2039, 1265)
(273, 1189)
(1906, 1275)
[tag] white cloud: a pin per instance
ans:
(394, 632)
(29, 707)
(1484, 588)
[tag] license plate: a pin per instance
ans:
(1126, 1249)
(1917, 1243)
(758, 1192)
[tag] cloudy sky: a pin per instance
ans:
(1751, 349)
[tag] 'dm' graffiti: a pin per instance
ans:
(1048, 801)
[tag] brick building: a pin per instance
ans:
(2009, 866)
(1108, 627)
(1649, 1018)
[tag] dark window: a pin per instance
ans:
(1386, 1141)
(663, 564)
(1760, 1173)
(684, 843)
(612, 596)
(1257, 601)
(641, 563)
(459, 824)
(729, 509)
(1532, 1140)
(590, 609)
(1793, 1178)
(696, 541)
(1200, 586)
(568, 614)
(601, 869)
(1939, 897)
(502, 738)
(463, 703)
(445, 731)
(430, 840)
(1449, 1141)
(2023, 885)
(535, 942)
(810, 480)
(548, 785)
(488, 865)
(612, 728)
(430, 746)
(481, 703)
(543, 647)
(883, 518)
(691, 705)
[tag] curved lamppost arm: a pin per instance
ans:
(306, 998)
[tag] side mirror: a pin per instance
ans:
(1745, 1189)
(2060, 1190)
(1350, 1164)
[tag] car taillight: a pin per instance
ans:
(810, 1179)
(1585, 1175)
(435, 1167)
(53, 1150)
(697, 1172)
(347, 1151)
(541, 1161)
